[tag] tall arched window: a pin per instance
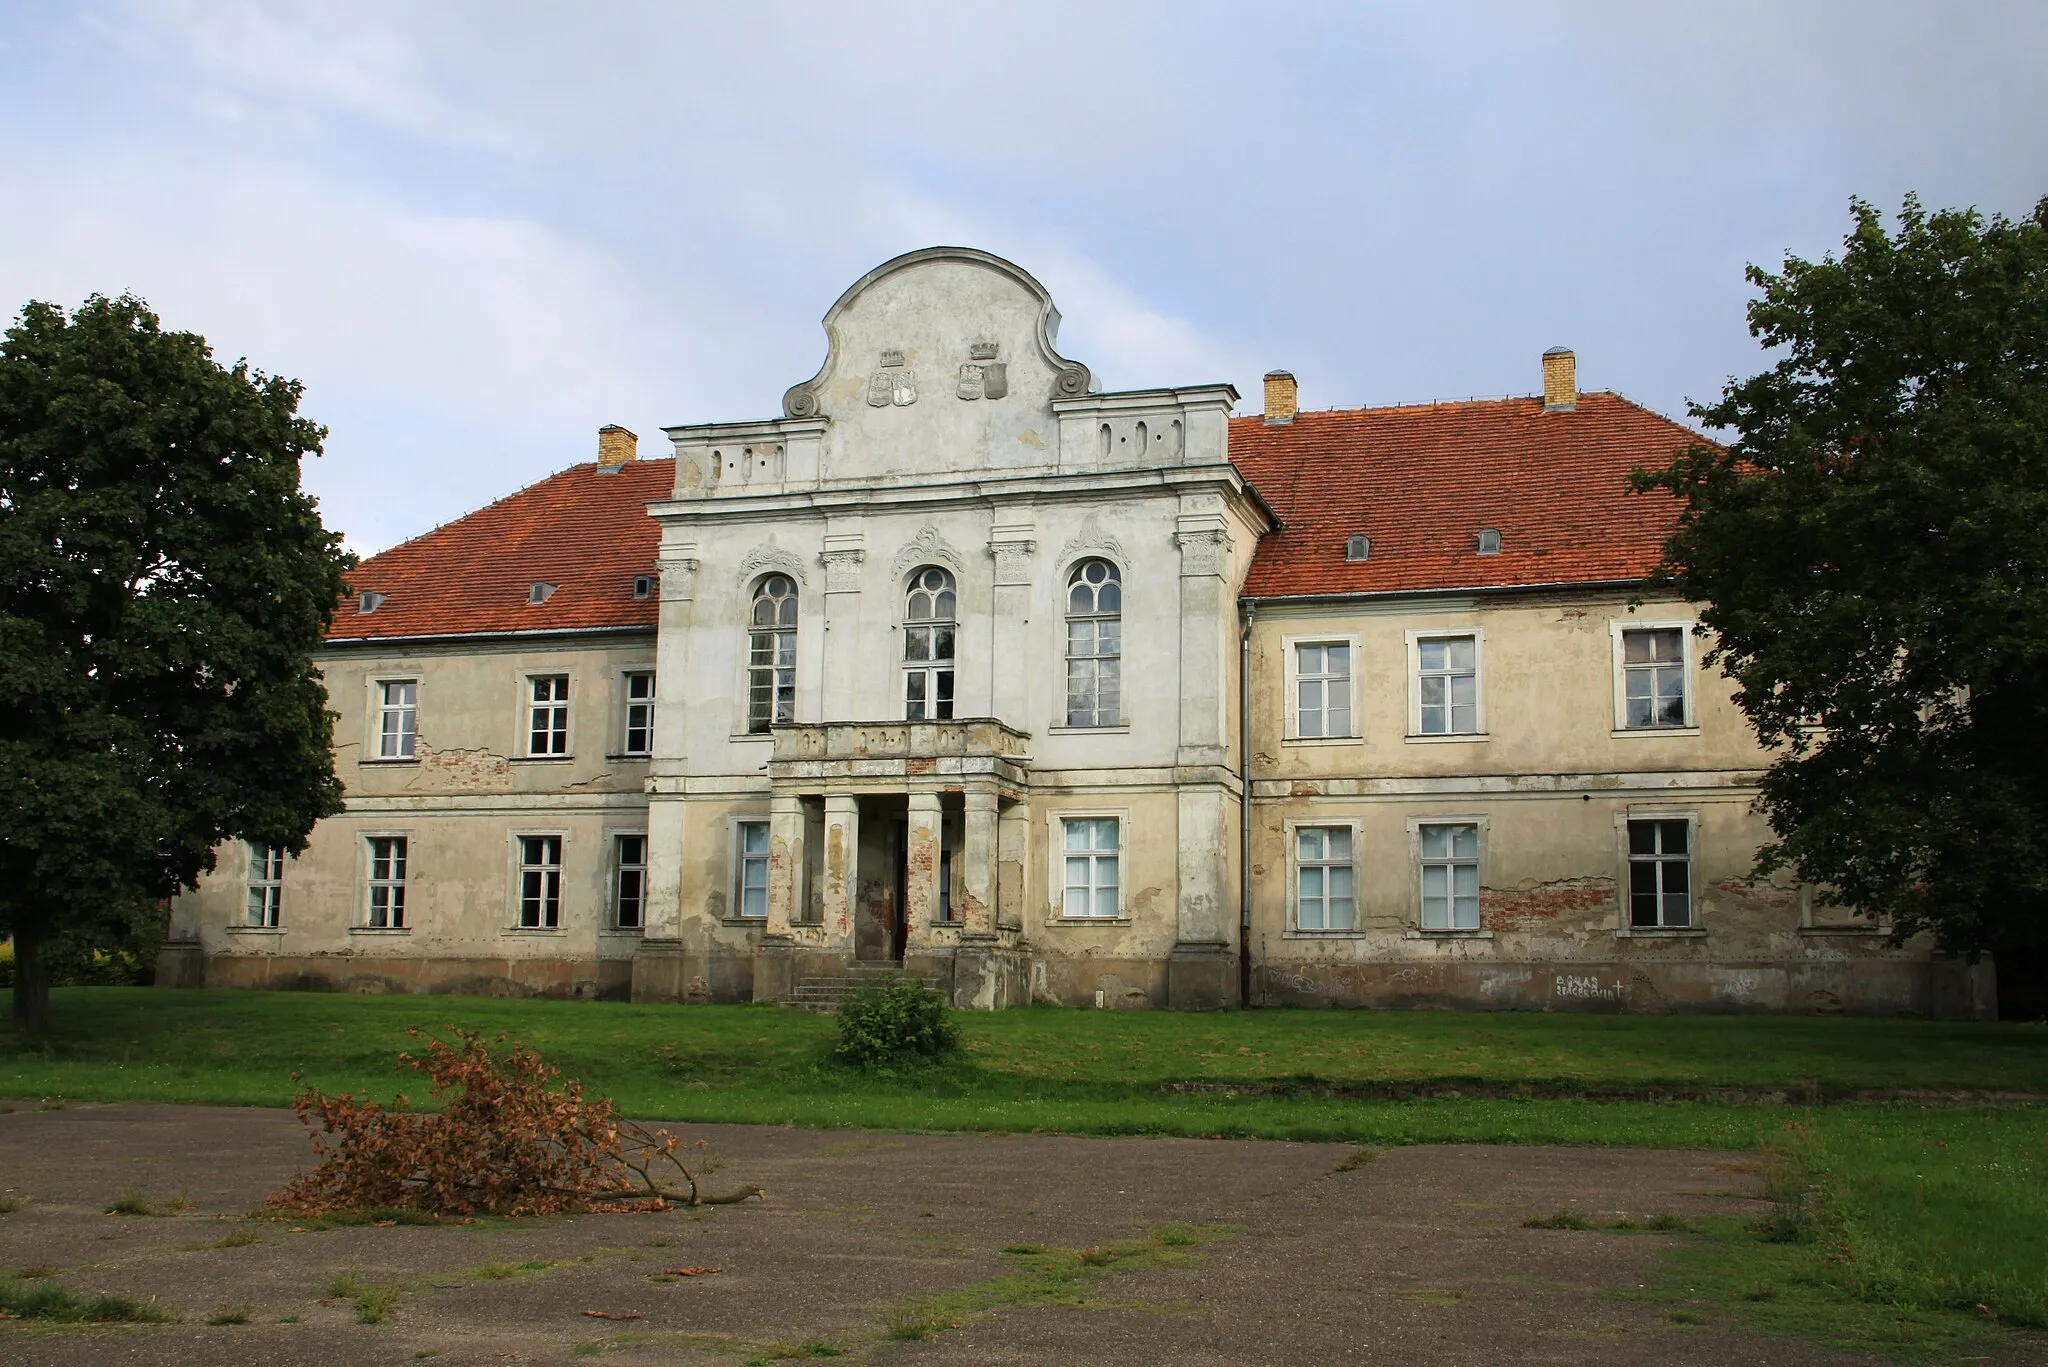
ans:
(1095, 607)
(771, 653)
(929, 618)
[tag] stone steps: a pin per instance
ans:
(827, 992)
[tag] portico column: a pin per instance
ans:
(921, 867)
(785, 862)
(842, 867)
(978, 856)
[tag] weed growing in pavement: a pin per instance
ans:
(45, 1300)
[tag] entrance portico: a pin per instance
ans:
(898, 840)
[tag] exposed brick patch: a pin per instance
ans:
(1519, 908)
(1762, 895)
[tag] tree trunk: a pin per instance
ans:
(31, 983)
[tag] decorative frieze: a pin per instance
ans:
(768, 557)
(926, 548)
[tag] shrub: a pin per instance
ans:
(506, 1142)
(901, 1021)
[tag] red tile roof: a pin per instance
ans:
(586, 533)
(1422, 481)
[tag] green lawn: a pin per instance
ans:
(1921, 1208)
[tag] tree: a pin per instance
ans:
(1872, 553)
(163, 583)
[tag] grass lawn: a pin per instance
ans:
(1890, 1207)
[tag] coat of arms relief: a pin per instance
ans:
(893, 384)
(983, 376)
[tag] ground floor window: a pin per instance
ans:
(540, 882)
(266, 886)
(1450, 876)
(1323, 877)
(387, 882)
(1659, 875)
(753, 889)
(629, 881)
(1094, 854)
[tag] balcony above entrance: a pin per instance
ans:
(896, 754)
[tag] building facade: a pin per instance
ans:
(1097, 698)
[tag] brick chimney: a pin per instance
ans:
(615, 446)
(1279, 397)
(1560, 380)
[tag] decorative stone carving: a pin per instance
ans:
(768, 557)
(969, 385)
(1202, 552)
(1092, 540)
(1013, 560)
(1072, 381)
(678, 580)
(926, 548)
(842, 569)
(798, 401)
(995, 380)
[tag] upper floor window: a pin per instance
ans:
(629, 881)
(387, 882)
(929, 614)
(1447, 685)
(771, 653)
(548, 715)
(1659, 875)
(540, 882)
(640, 713)
(1322, 689)
(398, 718)
(1653, 677)
(266, 886)
(1095, 607)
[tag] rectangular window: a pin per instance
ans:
(1323, 897)
(398, 718)
(1094, 851)
(1322, 690)
(1450, 877)
(266, 886)
(640, 713)
(629, 881)
(1653, 677)
(387, 882)
(548, 717)
(754, 870)
(1659, 875)
(1447, 682)
(540, 882)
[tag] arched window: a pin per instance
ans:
(771, 653)
(929, 618)
(1095, 607)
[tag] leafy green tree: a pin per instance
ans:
(1872, 551)
(163, 583)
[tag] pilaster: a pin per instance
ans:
(921, 869)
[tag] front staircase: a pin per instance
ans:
(825, 994)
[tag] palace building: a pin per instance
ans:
(1109, 699)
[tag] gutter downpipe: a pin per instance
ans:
(1244, 805)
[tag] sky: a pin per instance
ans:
(477, 232)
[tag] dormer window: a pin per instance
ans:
(643, 586)
(1358, 548)
(1489, 541)
(540, 592)
(367, 602)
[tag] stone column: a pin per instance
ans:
(978, 860)
(1010, 613)
(921, 868)
(842, 868)
(785, 862)
(1013, 853)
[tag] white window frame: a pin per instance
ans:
(627, 704)
(520, 868)
(615, 884)
(1415, 825)
(531, 706)
(1617, 628)
(1065, 616)
(1416, 636)
(1294, 926)
(931, 669)
(377, 712)
(370, 883)
(736, 908)
(798, 594)
(1624, 885)
(1056, 886)
(263, 899)
(1291, 670)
